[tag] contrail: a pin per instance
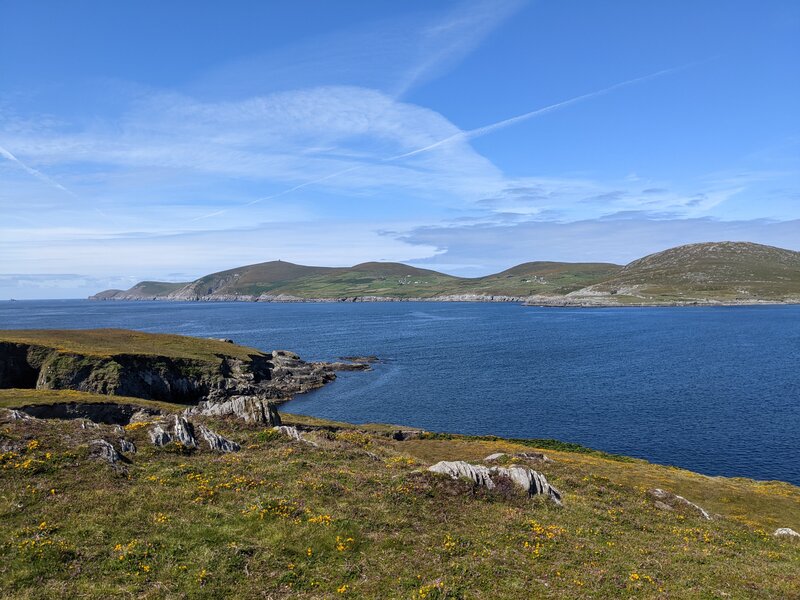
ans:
(470, 134)
(38, 174)
(481, 131)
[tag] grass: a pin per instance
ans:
(114, 342)
(723, 272)
(360, 517)
(15, 398)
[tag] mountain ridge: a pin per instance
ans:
(703, 273)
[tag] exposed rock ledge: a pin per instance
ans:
(225, 380)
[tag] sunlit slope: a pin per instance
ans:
(377, 279)
(724, 271)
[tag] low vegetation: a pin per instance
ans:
(734, 272)
(114, 342)
(359, 516)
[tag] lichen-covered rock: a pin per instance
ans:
(460, 469)
(17, 415)
(159, 436)
(295, 434)
(786, 532)
(290, 431)
(536, 456)
(250, 409)
(127, 446)
(216, 442)
(669, 500)
(103, 450)
(532, 482)
(495, 456)
(183, 432)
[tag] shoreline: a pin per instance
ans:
(533, 301)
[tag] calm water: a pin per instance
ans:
(716, 390)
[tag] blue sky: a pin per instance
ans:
(166, 140)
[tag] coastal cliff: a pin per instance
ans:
(166, 368)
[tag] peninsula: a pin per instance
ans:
(707, 273)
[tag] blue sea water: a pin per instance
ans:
(715, 390)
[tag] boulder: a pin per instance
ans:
(786, 532)
(159, 436)
(293, 433)
(184, 432)
(532, 482)
(18, 415)
(536, 456)
(127, 446)
(250, 409)
(216, 442)
(668, 501)
(103, 450)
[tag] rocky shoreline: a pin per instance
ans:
(540, 301)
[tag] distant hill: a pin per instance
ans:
(720, 271)
(730, 272)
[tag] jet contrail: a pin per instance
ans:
(470, 134)
(481, 131)
(38, 174)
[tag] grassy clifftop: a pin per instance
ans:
(357, 515)
(114, 342)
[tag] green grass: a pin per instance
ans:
(359, 517)
(15, 398)
(113, 342)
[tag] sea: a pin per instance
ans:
(711, 389)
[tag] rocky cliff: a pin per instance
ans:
(214, 375)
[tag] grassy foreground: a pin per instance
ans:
(359, 517)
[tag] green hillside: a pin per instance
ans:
(723, 271)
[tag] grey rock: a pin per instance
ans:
(159, 436)
(294, 434)
(127, 446)
(537, 456)
(216, 442)
(183, 432)
(18, 415)
(495, 456)
(786, 532)
(102, 450)
(141, 416)
(530, 481)
(672, 500)
(87, 424)
(250, 409)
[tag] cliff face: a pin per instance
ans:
(276, 376)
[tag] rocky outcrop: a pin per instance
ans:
(159, 436)
(534, 456)
(103, 450)
(295, 434)
(532, 482)
(127, 446)
(665, 500)
(786, 532)
(183, 432)
(248, 408)
(216, 442)
(243, 383)
(110, 413)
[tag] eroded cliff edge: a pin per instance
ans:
(212, 375)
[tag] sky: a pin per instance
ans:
(167, 140)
